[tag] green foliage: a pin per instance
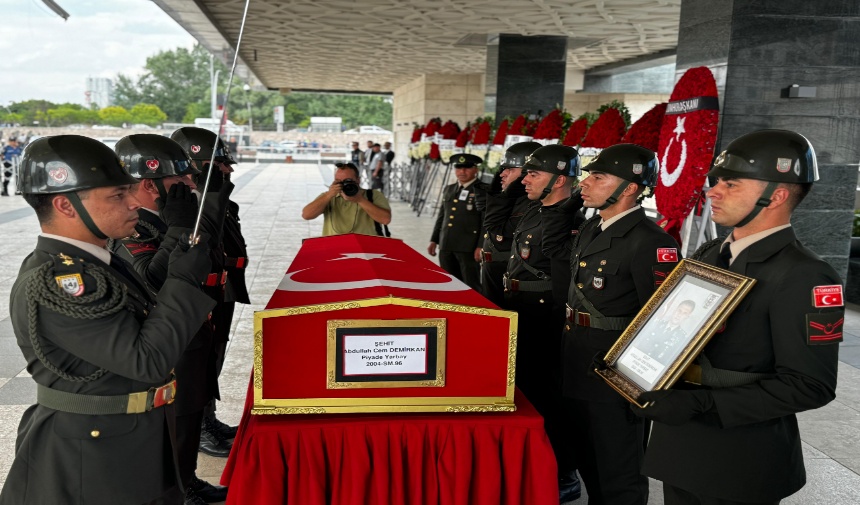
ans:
(616, 104)
(67, 114)
(115, 115)
(590, 117)
(148, 114)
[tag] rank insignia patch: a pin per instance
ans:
(783, 165)
(637, 168)
(827, 296)
(525, 252)
(72, 284)
(824, 328)
(598, 283)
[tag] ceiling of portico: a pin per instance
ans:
(380, 45)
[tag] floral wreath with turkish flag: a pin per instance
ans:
(686, 148)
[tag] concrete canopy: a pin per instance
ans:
(375, 46)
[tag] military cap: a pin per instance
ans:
(463, 160)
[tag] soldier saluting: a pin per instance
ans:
(99, 347)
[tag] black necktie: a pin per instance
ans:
(725, 258)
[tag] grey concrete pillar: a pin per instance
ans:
(758, 49)
(525, 74)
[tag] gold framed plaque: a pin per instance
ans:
(672, 328)
(374, 353)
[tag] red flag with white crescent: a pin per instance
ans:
(686, 146)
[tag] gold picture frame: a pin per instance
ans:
(334, 372)
(672, 328)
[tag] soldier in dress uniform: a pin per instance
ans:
(734, 438)
(552, 214)
(216, 438)
(98, 345)
(665, 337)
(457, 232)
(169, 210)
(506, 204)
(618, 259)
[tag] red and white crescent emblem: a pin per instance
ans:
(827, 296)
(667, 177)
(667, 255)
(195, 149)
(59, 174)
(152, 164)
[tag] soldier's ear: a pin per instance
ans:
(148, 185)
(63, 207)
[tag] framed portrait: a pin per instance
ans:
(674, 326)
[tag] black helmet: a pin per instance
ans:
(556, 159)
(515, 156)
(464, 160)
(149, 156)
(198, 143)
(66, 163)
(629, 162)
(768, 155)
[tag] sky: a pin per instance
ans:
(44, 57)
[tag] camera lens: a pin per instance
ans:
(349, 187)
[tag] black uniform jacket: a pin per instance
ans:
(149, 253)
(89, 459)
(500, 220)
(237, 256)
(458, 226)
(750, 450)
(617, 271)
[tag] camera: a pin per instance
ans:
(349, 187)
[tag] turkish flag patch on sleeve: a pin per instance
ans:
(827, 296)
(824, 328)
(667, 255)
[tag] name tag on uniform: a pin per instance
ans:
(464, 194)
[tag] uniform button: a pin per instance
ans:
(582, 263)
(602, 262)
(580, 285)
(145, 312)
(450, 225)
(567, 327)
(452, 216)
(512, 256)
(541, 300)
(529, 236)
(599, 269)
(485, 235)
(453, 209)
(527, 242)
(95, 433)
(455, 201)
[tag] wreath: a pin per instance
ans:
(576, 132)
(607, 130)
(501, 133)
(646, 131)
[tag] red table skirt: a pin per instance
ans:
(393, 459)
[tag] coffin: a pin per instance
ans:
(367, 324)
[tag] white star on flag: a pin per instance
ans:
(363, 256)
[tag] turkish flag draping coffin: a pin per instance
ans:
(367, 324)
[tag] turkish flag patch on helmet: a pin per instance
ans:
(824, 328)
(152, 164)
(827, 296)
(667, 255)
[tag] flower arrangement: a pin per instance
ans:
(550, 126)
(463, 136)
(432, 126)
(450, 130)
(416, 133)
(606, 131)
(576, 132)
(687, 138)
(481, 135)
(518, 126)
(646, 131)
(501, 133)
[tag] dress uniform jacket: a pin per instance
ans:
(237, 256)
(750, 449)
(148, 250)
(500, 220)
(95, 459)
(458, 226)
(617, 271)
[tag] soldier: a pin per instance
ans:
(168, 210)
(216, 437)
(665, 336)
(506, 204)
(618, 259)
(457, 229)
(99, 347)
(550, 217)
(734, 439)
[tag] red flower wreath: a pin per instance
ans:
(434, 151)
(501, 133)
(463, 137)
(416, 134)
(450, 130)
(550, 126)
(686, 147)
(432, 126)
(606, 131)
(517, 128)
(646, 131)
(576, 132)
(482, 133)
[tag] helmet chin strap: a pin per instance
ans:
(614, 196)
(762, 202)
(85, 216)
(159, 185)
(548, 189)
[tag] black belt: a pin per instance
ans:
(490, 256)
(593, 321)
(236, 262)
(515, 285)
(134, 403)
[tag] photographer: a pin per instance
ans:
(346, 208)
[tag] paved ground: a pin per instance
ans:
(271, 198)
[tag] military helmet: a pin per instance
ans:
(198, 143)
(556, 159)
(149, 156)
(515, 156)
(65, 163)
(463, 160)
(768, 155)
(628, 161)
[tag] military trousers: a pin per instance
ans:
(463, 266)
(491, 281)
(676, 496)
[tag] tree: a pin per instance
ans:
(115, 115)
(148, 114)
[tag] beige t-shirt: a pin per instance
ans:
(341, 216)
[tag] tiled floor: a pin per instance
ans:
(271, 198)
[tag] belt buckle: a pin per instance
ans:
(223, 277)
(568, 313)
(240, 262)
(137, 403)
(164, 395)
(488, 256)
(515, 285)
(212, 279)
(583, 319)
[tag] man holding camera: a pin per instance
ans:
(346, 208)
